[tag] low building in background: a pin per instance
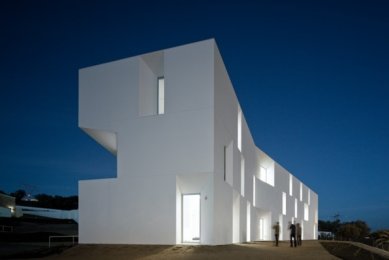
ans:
(8, 207)
(188, 170)
(48, 213)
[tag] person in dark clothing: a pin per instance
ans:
(292, 229)
(276, 228)
(298, 234)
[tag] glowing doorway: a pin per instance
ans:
(191, 218)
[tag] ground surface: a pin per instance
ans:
(30, 235)
(258, 250)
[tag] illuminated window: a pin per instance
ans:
(290, 185)
(242, 173)
(306, 212)
(266, 174)
(281, 221)
(263, 174)
(151, 84)
(161, 95)
(239, 129)
(261, 229)
(295, 207)
(301, 191)
(225, 162)
(314, 231)
(228, 164)
(248, 221)
(302, 229)
(254, 191)
(284, 203)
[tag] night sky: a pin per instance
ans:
(312, 78)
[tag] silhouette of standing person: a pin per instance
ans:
(276, 228)
(292, 229)
(298, 234)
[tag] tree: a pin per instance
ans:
(19, 195)
(348, 232)
(329, 226)
(381, 238)
(355, 230)
(363, 227)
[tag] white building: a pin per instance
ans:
(188, 170)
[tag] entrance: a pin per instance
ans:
(191, 218)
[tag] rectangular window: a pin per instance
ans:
(261, 229)
(301, 191)
(290, 185)
(254, 191)
(229, 163)
(314, 231)
(306, 212)
(295, 207)
(284, 203)
(242, 173)
(309, 197)
(161, 96)
(239, 129)
(281, 221)
(263, 174)
(248, 222)
(225, 162)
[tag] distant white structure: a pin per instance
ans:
(7, 206)
(188, 170)
(49, 213)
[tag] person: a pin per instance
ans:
(276, 228)
(292, 229)
(298, 234)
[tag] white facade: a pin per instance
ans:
(173, 141)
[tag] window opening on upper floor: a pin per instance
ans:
(239, 129)
(242, 175)
(161, 95)
(301, 191)
(295, 208)
(263, 174)
(284, 203)
(151, 84)
(229, 163)
(290, 185)
(254, 204)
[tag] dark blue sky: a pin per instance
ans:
(312, 78)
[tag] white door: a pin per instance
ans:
(191, 218)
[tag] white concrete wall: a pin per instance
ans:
(268, 196)
(162, 157)
(141, 205)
